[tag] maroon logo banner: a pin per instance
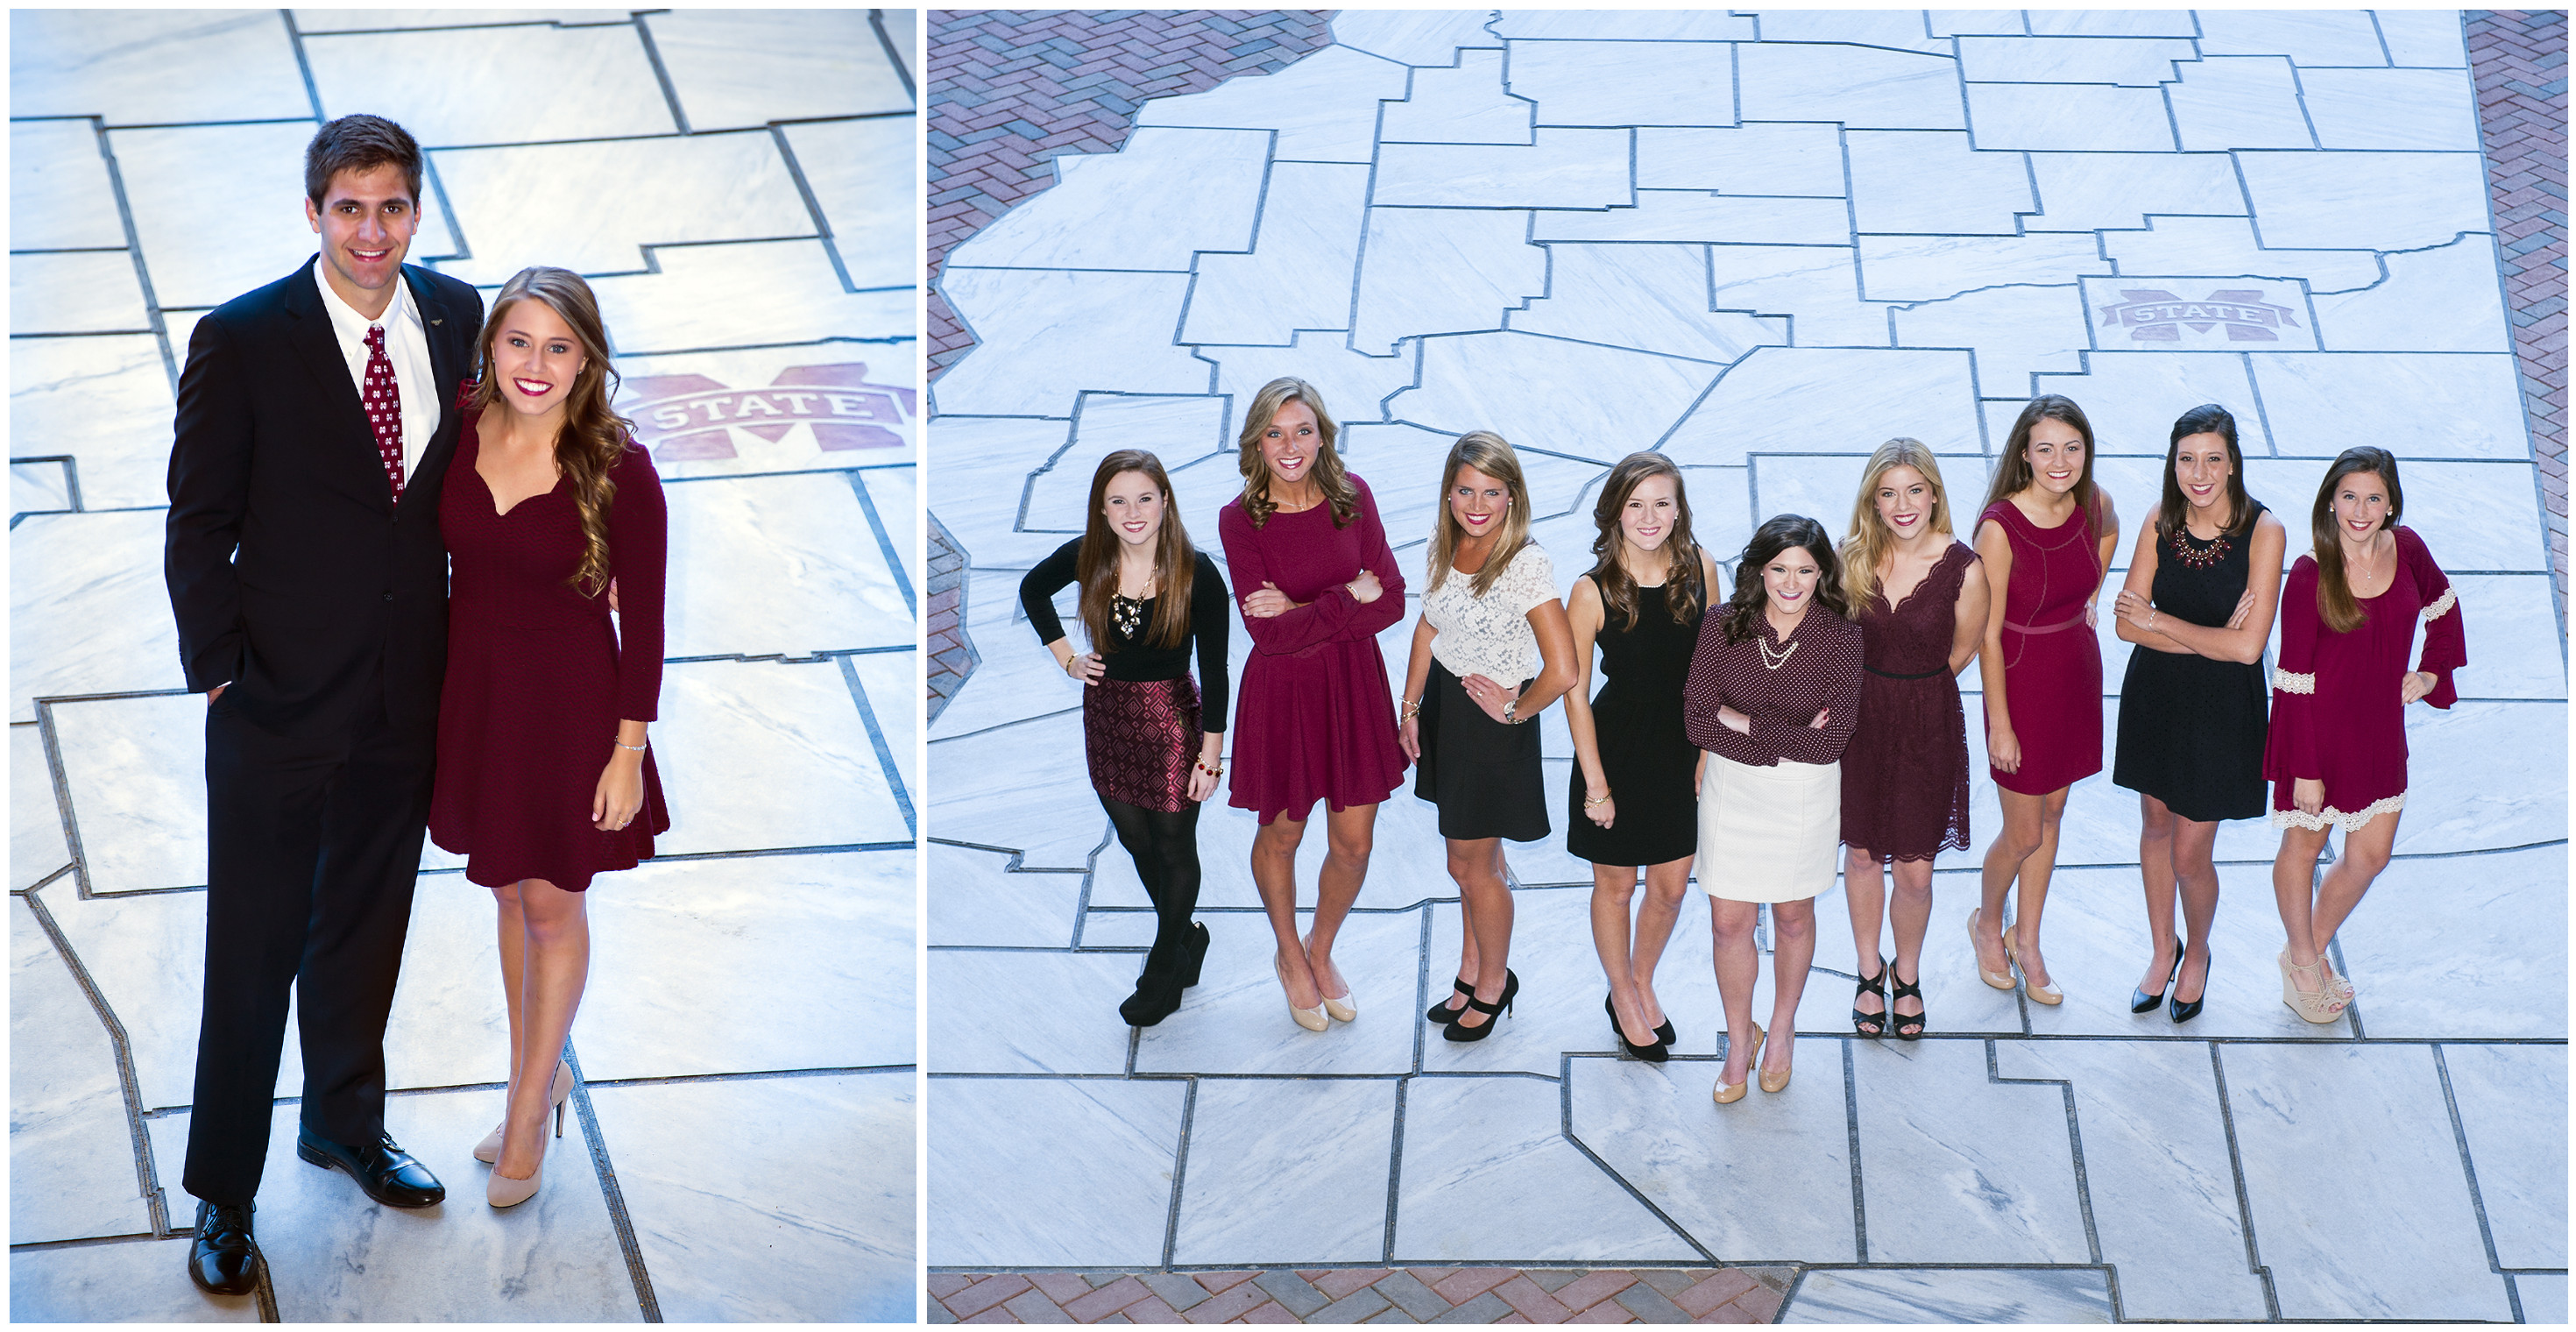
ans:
(2159, 316)
(682, 417)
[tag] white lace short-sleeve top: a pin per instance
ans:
(1491, 635)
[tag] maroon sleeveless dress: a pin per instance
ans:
(2052, 662)
(1905, 773)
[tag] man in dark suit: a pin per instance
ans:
(316, 419)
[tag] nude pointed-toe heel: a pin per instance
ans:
(1729, 1093)
(502, 1191)
(557, 1088)
(2000, 980)
(1312, 1019)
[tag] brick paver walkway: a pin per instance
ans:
(2518, 58)
(951, 653)
(1366, 1295)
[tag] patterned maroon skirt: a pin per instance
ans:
(1141, 736)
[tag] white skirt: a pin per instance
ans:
(1769, 834)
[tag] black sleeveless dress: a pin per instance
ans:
(2192, 727)
(1637, 723)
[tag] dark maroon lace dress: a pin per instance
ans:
(1905, 773)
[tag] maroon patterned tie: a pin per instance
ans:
(384, 408)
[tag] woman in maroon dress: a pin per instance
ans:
(1921, 600)
(1314, 720)
(2336, 755)
(2046, 537)
(544, 777)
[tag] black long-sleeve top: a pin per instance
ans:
(1211, 613)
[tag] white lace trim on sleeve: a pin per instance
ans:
(2294, 682)
(2442, 604)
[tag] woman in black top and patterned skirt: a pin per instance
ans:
(1154, 739)
(2198, 603)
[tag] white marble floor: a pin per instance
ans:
(732, 183)
(1763, 242)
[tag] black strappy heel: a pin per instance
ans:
(1909, 1026)
(1653, 1052)
(1872, 1025)
(1493, 1012)
(1442, 1013)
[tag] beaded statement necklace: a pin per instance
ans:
(2193, 555)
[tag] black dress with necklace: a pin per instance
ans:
(2192, 727)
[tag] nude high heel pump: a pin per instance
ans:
(1729, 1093)
(1312, 1019)
(1339, 1010)
(2000, 980)
(557, 1088)
(502, 1191)
(2046, 994)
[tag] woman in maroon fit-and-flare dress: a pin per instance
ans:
(544, 779)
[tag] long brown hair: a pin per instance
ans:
(1175, 560)
(2206, 419)
(1869, 538)
(1744, 609)
(2013, 473)
(593, 436)
(1338, 490)
(1681, 554)
(2336, 605)
(1492, 455)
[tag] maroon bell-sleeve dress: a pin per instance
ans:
(538, 676)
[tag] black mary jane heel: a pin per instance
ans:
(1441, 1012)
(1493, 1012)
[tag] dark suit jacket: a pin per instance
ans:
(293, 572)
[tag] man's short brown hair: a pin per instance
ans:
(359, 143)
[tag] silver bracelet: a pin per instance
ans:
(625, 746)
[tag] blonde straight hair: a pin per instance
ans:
(1488, 453)
(1869, 538)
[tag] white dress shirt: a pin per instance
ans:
(406, 345)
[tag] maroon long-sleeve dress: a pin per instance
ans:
(2338, 715)
(1314, 718)
(538, 677)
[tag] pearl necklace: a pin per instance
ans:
(1770, 662)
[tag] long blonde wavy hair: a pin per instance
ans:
(1869, 538)
(593, 436)
(1328, 471)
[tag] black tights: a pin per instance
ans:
(1166, 850)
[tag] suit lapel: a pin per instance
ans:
(447, 357)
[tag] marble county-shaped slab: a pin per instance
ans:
(902, 34)
(1862, 87)
(1952, 1295)
(1549, 393)
(105, 401)
(2237, 102)
(122, 1283)
(2427, 37)
(1692, 215)
(1975, 22)
(88, 612)
(1648, 297)
(1017, 681)
(2358, 1132)
(1043, 337)
(1324, 106)
(2517, 633)
(984, 518)
(59, 196)
(576, 83)
(861, 174)
(1780, 399)
(1624, 25)
(2144, 62)
(1177, 429)
(2004, 1193)
(732, 69)
(79, 292)
(1817, 286)
(775, 409)
(310, 21)
(2513, 1108)
(829, 934)
(41, 486)
(1744, 159)
(333, 1254)
(223, 213)
(2432, 109)
(2150, 312)
(2068, 117)
(1708, 1166)
(2156, 1171)
(1235, 1020)
(1094, 1190)
(2498, 965)
(981, 792)
(2456, 406)
(2355, 200)
(1928, 268)
(770, 1229)
(2436, 300)
(1117, 210)
(693, 303)
(36, 845)
(146, 957)
(2228, 247)
(1625, 83)
(2132, 397)
(2111, 23)
(1936, 182)
(133, 777)
(1440, 270)
(71, 1154)
(1304, 260)
(517, 203)
(804, 542)
(156, 67)
(2015, 331)
(1281, 1172)
(1898, 29)
(1560, 168)
(2543, 1296)
(1353, 385)
(2085, 191)
(2307, 37)
(981, 1022)
(974, 899)
(1413, 37)
(1478, 1150)
(1462, 105)
(891, 684)
(761, 755)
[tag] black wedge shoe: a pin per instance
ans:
(1442, 1013)
(1493, 1012)
(1653, 1052)
(1157, 996)
(1872, 1025)
(1909, 1026)
(1193, 952)
(2142, 1002)
(2180, 1011)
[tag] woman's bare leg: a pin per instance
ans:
(556, 967)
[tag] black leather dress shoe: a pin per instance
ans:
(387, 1172)
(223, 1260)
